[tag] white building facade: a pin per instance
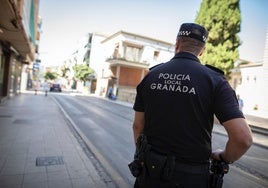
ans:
(250, 81)
(120, 61)
(264, 104)
(123, 59)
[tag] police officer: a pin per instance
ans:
(175, 106)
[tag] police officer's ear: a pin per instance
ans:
(177, 46)
(202, 50)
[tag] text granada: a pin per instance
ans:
(174, 88)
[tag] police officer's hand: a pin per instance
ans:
(219, 156)
(216, 154)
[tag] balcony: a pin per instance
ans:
(12, 31)
(126, 63)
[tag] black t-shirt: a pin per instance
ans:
(179, 99)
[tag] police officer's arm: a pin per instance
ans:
(239, 140)
(138, 124)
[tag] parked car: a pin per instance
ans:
(55, 87)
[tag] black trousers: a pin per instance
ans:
(184, 176)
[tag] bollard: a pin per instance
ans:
(46, 93)
(35, 91)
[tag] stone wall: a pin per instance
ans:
(126, 94)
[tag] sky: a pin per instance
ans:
(64, 22)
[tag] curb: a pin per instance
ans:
(259, 130)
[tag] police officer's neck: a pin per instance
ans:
(195, 54)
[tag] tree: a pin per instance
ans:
(50, 75)
(83, 72)
(64, 71)
(222, 19)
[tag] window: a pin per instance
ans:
(132, 53)
(1, 74)
(234, 83)
(240, 81)
(156, 55)
(116, 51)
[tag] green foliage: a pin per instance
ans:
(64, 71)
(82, 72)
(50, 75)
(222, 19)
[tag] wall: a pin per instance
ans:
(130, 76)
(250, 87)
(264, 105)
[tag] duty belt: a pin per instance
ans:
(192, 169)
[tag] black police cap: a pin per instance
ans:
(193, 30)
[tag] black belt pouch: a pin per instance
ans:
(155, 164)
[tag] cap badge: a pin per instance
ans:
(181, 33)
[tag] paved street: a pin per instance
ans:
(40, 148)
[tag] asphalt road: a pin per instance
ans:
(107, 127)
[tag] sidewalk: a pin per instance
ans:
(38, 149)
(256, 121)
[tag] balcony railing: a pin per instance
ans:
(124, 61)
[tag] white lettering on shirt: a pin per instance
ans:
(173, 83)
